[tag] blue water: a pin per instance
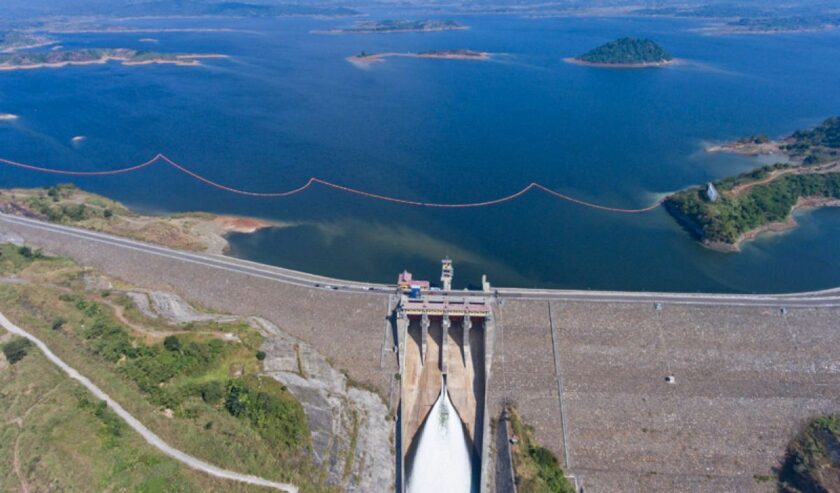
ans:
(287, 106)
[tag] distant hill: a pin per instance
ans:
(627, 51)
(243, 9)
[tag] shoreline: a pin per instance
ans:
(771, 148)
(180, 60)
(366, 60)
(189, 231)
(338, 32)
(667, 63)
(803, 204)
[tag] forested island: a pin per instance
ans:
(62, 58)
(397, 26)
(727, 212)
(625, 52)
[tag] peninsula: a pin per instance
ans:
(625, 53)
(365, 59)
(63, 58)
(397, 26)
(66, 204)
(18, 40)
(725, 213)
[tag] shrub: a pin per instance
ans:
(16, 349)
(172, 343)
(261, 355)
(276, 415)
(58, 323)
(212, 392)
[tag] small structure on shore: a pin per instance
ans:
(711, 192)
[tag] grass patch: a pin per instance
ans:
(536, 467)
(179, 386)
(812, 462)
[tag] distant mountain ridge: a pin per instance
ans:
(245, 9)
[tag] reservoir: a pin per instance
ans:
(287, 106)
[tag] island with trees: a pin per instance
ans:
(625, 53)
(397, 26)
(725, 213)
(89, 56)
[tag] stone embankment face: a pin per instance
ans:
(352, 430)
(746, 379)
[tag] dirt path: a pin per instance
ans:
(119, 312)
(149, 436)
(825, 168)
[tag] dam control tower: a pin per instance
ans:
(443, 338)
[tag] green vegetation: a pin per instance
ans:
(85, 55)
(726, 219)
(393, 26)
(67, 204)
(14, 40)
(764, 195)
(627, 51)
(16, 349)
(812, 463)
(536, 467)
(64, 440)
(784, 24)
(180, 383)
(818, 145)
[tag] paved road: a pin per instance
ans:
(828, 298)
(146, 433)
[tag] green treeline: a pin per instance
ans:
(627, 51)
(180, 369)
(812, 462)
(726, 219)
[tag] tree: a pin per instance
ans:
(172, 343)
(16, 349)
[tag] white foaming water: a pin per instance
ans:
(442, 461)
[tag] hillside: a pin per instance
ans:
(192, 376)
(627, 52)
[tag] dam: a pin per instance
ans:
(586, 369)
(443, 356)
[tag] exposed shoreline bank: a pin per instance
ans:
(667, 63)
(366, 60)
(183, 60)
(195, 231)
(803, 204)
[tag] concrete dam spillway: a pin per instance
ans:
(442, 343)
(443, 460)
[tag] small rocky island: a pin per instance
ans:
(398, 26)
(725, 213)
(625, 53)
(364, 59)
(63, 58)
